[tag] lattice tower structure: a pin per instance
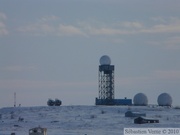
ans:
(106, 82)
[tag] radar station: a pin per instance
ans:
(106, 84)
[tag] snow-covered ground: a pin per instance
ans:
(82, 120)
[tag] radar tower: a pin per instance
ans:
(106, 81)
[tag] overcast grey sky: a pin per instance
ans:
(51, 49)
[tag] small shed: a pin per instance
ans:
(38, 131)
(143, 120)
(134, 114)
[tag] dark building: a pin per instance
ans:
(143, 120)
(134, 114)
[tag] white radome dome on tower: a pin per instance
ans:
(164, 99)
(140, 99)
(105, 60)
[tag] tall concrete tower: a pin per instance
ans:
(106, 82)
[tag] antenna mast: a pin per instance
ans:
(14, 99)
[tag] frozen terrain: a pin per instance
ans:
(81, 120)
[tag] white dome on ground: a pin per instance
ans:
(105, 60)
(164, 99)
(140, 99)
